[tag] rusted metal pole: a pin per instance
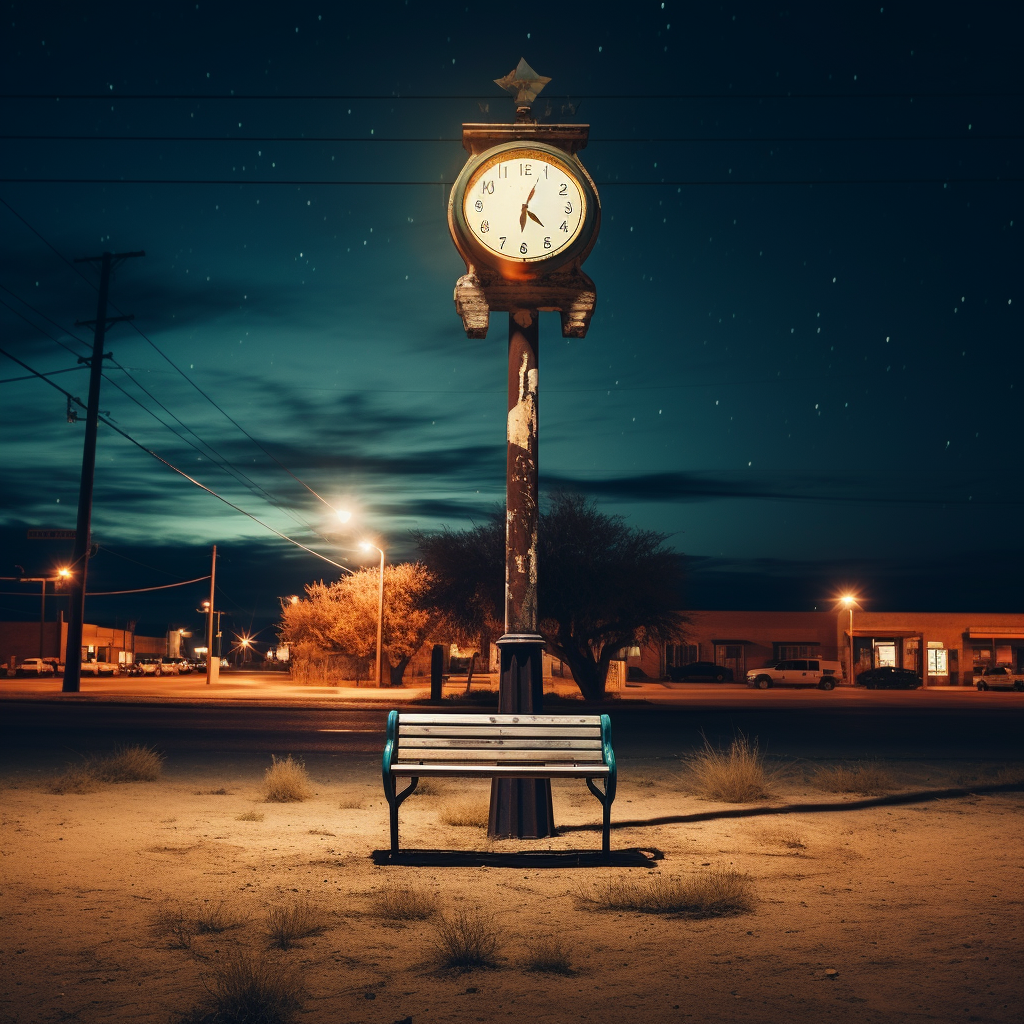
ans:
(521, 808)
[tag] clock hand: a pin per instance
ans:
(529, 198)
(534, 217)
(522, 218)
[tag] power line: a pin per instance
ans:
(492, 98)
(448, 184)
(458, 139)
(171, 466)
(164, 355)
(49, 373)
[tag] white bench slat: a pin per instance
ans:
(456, 755)
(539, 731)
(521, 771)
(484, 743)
(418, 719)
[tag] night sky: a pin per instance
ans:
(805, 364)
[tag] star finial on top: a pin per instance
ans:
(524, 83)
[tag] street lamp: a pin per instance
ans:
(367, 546)
(848, 601)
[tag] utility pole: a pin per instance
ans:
(212, 662)
(83, 540)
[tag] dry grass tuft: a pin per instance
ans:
(870, 779)
(178, 926)
(403, 903)
(286, 781)
(430, 787)
(247, 989)
(784, 837)
(76, 778)
(286, 925)
(466, 940)
(250, 816)
(548, 956)
(713, 893)
(129, 763)
(214, 920)
(467, 811)
(738, 775)
(211, 792)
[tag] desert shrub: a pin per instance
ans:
(76, 778)
(286, 925)
(487, 697)
(403, 903)
(736, 776)
(247, 989)
(470, 810)
(466, 939)
(871, 779)
(713, 893)
(549, 956)
(214, 920)
(129, 763)
(430, 787)
(286, 781)
(250, 816)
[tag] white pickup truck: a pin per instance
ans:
(34, 667)
(999, 677)
(797, 672)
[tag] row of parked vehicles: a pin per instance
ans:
(147, 665)
(825, 675)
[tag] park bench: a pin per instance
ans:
(498, 746)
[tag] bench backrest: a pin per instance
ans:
(499, 739)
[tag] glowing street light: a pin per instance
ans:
(848, 601)
(367, 546)
(343, 514)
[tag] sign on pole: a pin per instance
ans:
(52, 534)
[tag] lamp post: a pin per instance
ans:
(849, 601)
(367, 546)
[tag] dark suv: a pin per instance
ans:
(889, 679)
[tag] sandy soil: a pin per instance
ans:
(917, 907)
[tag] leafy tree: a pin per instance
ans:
(341, 617)
(603, 585)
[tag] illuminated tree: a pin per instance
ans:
(341, 617)
(603, 585)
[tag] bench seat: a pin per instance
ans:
(498, 746)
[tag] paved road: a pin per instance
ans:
(947, 724)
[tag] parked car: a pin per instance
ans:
(37, 667)
(58, 665)
(999, 677)
(180, 665)
(700, 671)
(131, 668)
(798, 672)
(889, 679)
(150, 665)
(100, 668)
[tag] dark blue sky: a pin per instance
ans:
(805, 361)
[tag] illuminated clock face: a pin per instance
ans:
(524, 205)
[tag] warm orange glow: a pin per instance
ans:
(848, 599)
(343, 514)
(294, 599)
(63, 573)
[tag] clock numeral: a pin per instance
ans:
(486, 187)
(527, 173)
(545, 170)
(568, 207)
(523, 249)
(502, 170)
(564, 190)
(547, 242)
(484, 227)
(478, 206)
(564, 226)
(502, 237)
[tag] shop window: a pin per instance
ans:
(982, 657)
(785, 651)
(938, 663)
(677, 655)
(885, 655)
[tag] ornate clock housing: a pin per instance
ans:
(524, 214)
(523, 209)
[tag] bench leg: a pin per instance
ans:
(395, 799)
(606, 817)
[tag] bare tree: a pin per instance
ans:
(603, 584)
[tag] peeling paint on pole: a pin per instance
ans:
(521, 474)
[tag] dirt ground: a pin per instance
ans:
(893, 913)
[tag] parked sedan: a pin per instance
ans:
(1000, 677)
(889, 679)
(700, 671)
(100, 668)
(37, 667)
